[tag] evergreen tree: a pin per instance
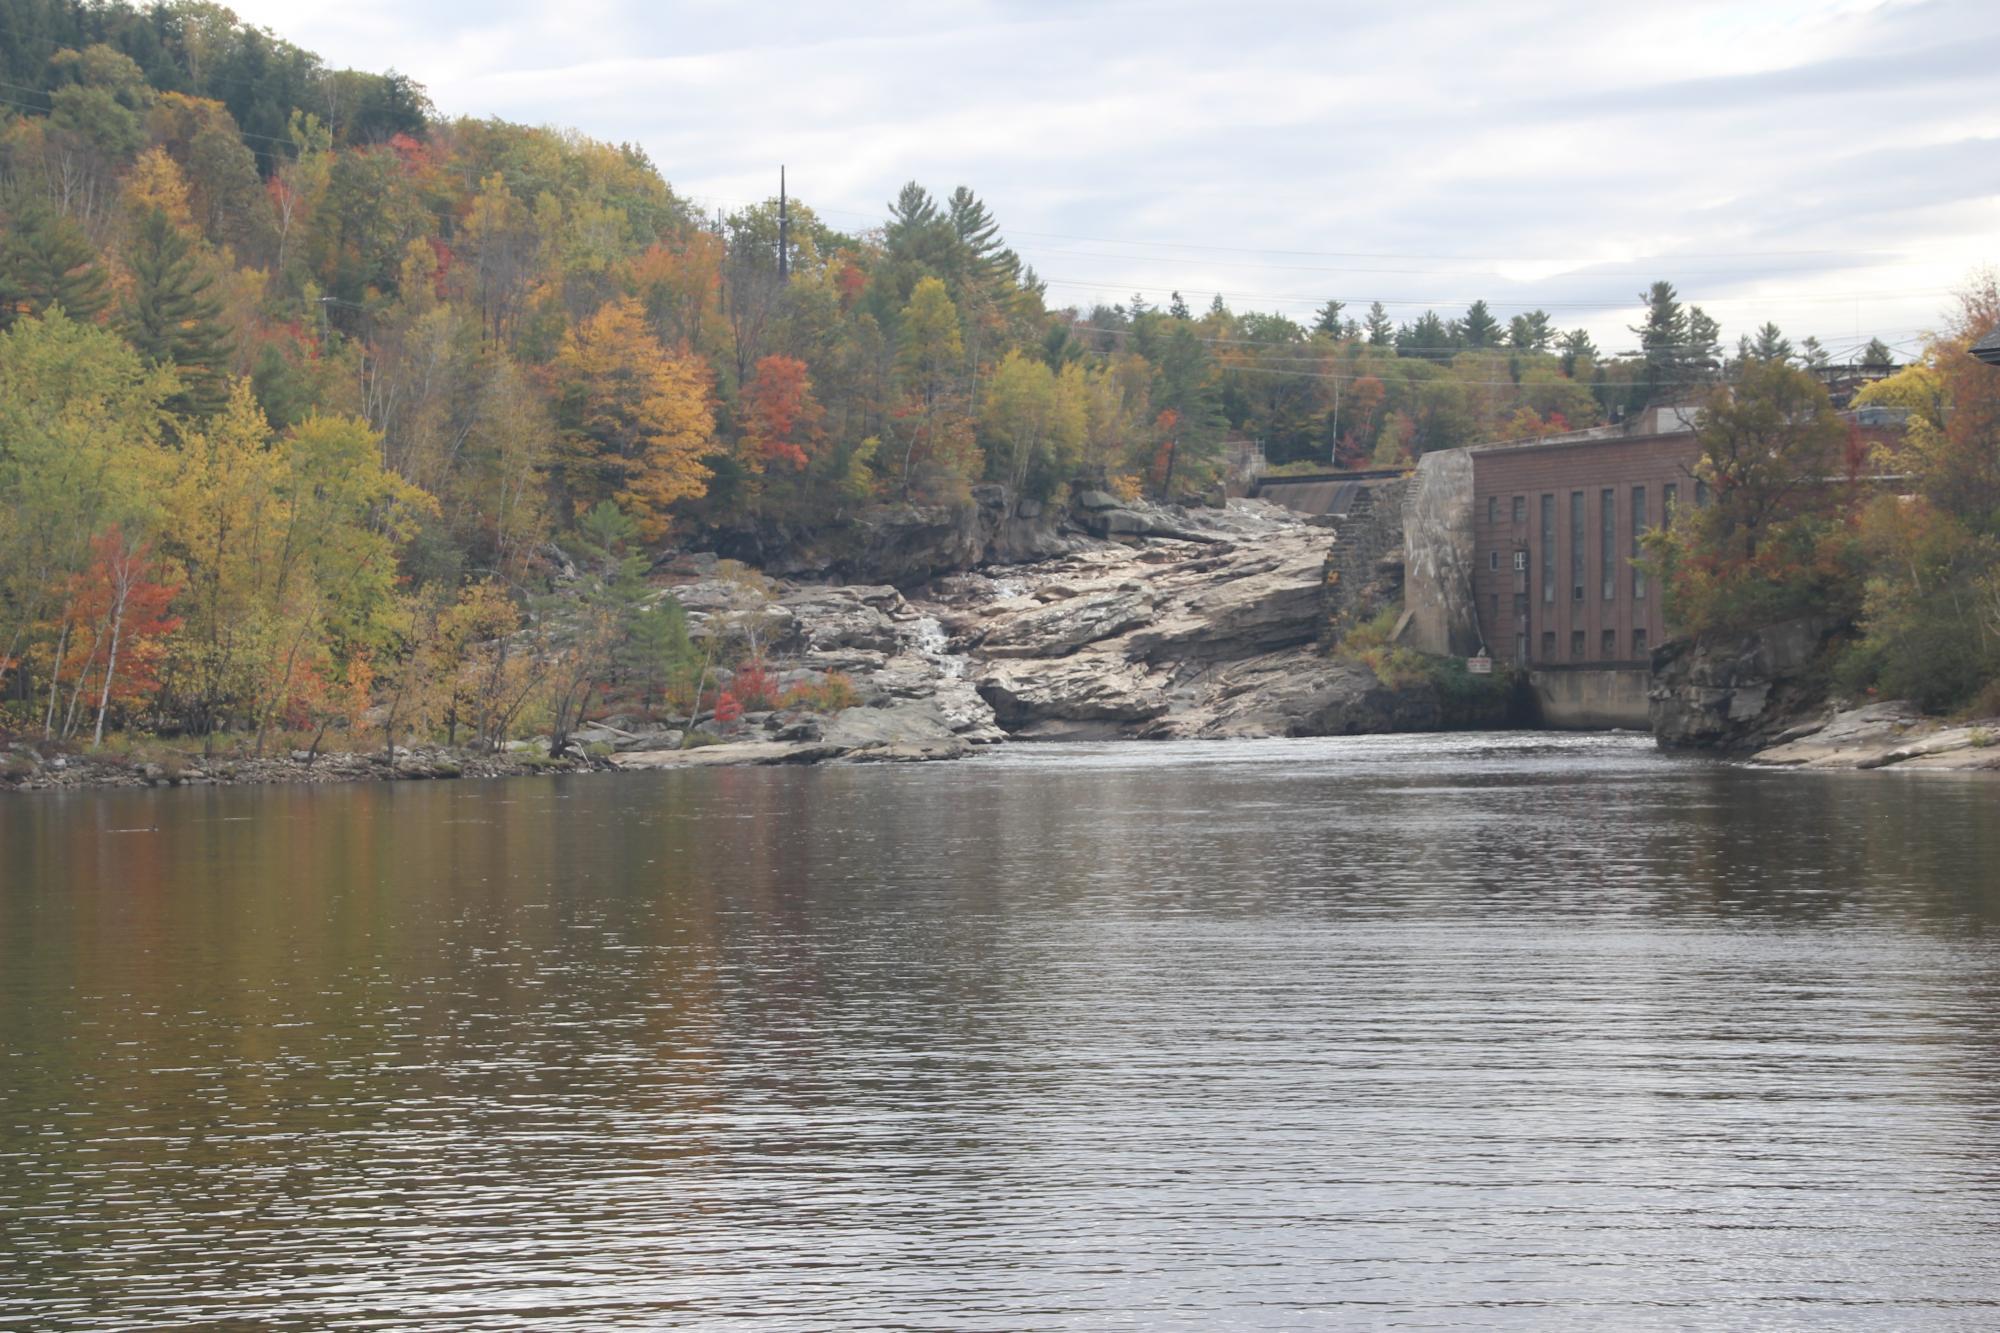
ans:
(1702, 355)
(989, 267)
(1811, 355)
(1328, 320)
(46, 260)
(1663, 337)
(1427, 337)
(1530, 332)
(173, 319)
(1479, 328)
(1771, 345)
(1381, 333)
(1878, 356)
(1178, 308)
(1576, 346)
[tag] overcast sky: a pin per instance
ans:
(1833, 165)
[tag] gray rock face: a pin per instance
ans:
(911, 730)
(1247, 606)
(1200, 634)
(1299, 693)
(1064, 626)
(1736, 693)
(1197, 623)
(1097, 687)
(829, 619)
(905, 544)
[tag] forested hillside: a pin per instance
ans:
(301, 379)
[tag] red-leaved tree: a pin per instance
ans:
(781, 418)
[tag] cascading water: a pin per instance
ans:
(934, 646)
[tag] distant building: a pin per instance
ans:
(1556, 528)
(1553, 533)
(1987, 349)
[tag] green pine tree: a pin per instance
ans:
(1381, 333)
(46, 260)
(174, 319)
(1479, 328)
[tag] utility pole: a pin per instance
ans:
(1333, 450)
(784, 231)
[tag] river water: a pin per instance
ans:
(1450, 1032)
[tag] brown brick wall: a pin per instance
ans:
(1561, 471)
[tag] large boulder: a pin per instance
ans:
(916, 730)
(1086, 687)
(1299, 693)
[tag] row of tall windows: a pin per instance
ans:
(1607, 507)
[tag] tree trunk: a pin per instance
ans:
(110, 669)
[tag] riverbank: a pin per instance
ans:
(24, 769)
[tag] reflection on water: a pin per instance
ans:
(1443, 1032)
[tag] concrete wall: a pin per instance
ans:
(1364, 567)
(1438, 553)
(1591, 698)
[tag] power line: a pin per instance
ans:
(1357, 254)
(1435, 303)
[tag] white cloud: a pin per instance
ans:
(1826, 165)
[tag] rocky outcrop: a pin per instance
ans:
(1298, 694)
(1205, 625)
(905, 544)
(1737, 693)
(1174, 623)
(899, 733)
(1886, 735)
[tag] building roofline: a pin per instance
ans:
(1577, 442)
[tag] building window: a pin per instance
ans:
(1493, 560)
(1610, 645)
(1700, 493)
(1520, 562)
(1521, 607)
(1520, 510)
(1548, 645)
(1638, 531)
(1494, 616)
(1639, 642)
(1576, 546)
(1549, 551)
(1576, 645)
(1669, 496)
(1607, 542)
(1492, 511)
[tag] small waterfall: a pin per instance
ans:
(933, 645)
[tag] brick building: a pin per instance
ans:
(1556, 528)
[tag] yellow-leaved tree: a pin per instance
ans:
(634, 421)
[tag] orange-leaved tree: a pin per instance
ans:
(634, 422)
(119, 605)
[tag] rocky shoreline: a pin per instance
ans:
(23, 770)
(1885, 736)
(1130, 622)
